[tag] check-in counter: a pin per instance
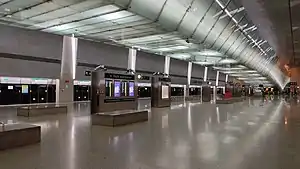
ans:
(41, 110)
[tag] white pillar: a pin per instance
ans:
(217, 78)
(214, 93)
(205, 74)
(57, 90)
(226, 80)
(132, 59)
(167, 65)
(189, 77)
(64, 92)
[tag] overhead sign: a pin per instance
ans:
(140, 77)
(164, 79)
(119, 76)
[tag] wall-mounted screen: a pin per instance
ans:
(117, 92)
(124, 87)
(25, 89)
(10, 87)
(108, 88)
(165, 92)
(131, 89)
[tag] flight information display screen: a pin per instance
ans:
(108, 88)
(124, 87)
(131, 89)
(117, 89)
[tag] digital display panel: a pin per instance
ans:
(165, 92)
(10, 87)
(117, 92)
(108, 88)
(131, 89)
(124, 88)
(24, 89)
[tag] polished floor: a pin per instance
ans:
(254, 134)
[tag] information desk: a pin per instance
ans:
(16, 135)
(230, 101)
(41, 110)
(119, 118)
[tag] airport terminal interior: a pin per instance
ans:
(149, 84)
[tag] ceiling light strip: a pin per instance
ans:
(236, 22)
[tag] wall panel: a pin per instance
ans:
(198, 71)
(178, 67)
(30, 43)
(102, 54)
(25, 68)
(149, 62)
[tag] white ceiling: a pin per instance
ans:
(206, 32)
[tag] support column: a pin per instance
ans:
(65, 85)
(226, 79)
(167, 65)
(189, 77)
(216, 87)
(217, 78)
(205, 74)
(206, 91)
(131, 60)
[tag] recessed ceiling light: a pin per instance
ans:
(6, 9)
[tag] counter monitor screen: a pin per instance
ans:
(10, 87)
(131, 89)
(117, 91)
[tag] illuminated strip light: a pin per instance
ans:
(236, 22)
(250, 28)
(263, 42)
(259, 41)
(217, 14)
(244, 26)
(74, 55)
(226, 79)
(233, 12)
(217, 78)
(205, 74)
(268, 49)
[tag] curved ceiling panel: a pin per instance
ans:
(220, 25)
